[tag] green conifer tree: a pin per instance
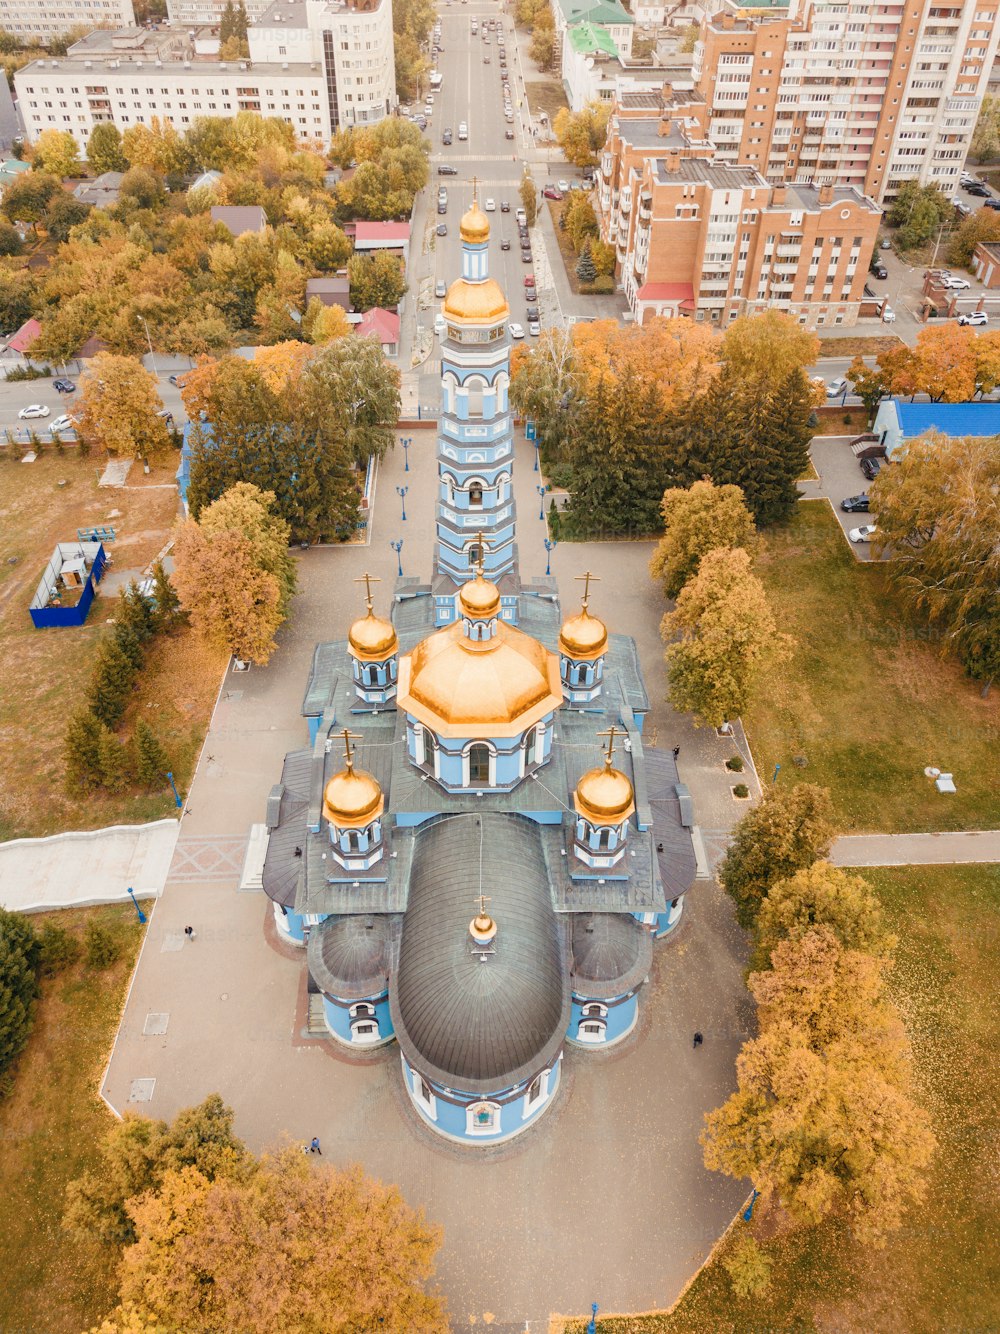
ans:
(114, 762)
(19, 958)
(168, 605)
(586, 269)
(111, 683)
(227, 23)
(150, 761)
(81, 751)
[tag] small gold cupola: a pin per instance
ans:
(604, 795)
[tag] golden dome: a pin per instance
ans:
(460, 687)
(475, 225)
(373, 638)
(583, 636)
(478, 303)
(352, 798)
(604, 796)
(479, 598)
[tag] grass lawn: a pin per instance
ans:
(942, 1270)
(45, 672)
(865, 699)
(545, 95)
(841, 421)
(49, 1127)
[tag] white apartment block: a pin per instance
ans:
(199, 13)
(319, 66)
(33, 19)
(869, 93)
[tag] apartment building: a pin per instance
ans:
(713, 240)
(202, 13)
(320, 65)
(863, 93)
(31, 19)
(608, 17)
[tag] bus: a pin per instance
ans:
(435, 81)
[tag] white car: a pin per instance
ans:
(63, 423)
(534, 328)
(975, 317)
(888, 315)
(563, 186)
(957, 284)
(490, 206)
(440, 325)
(33, 410)
(516, 331)
(836, 387)
(863, 534)
(463, 130)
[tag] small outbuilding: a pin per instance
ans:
(240, 219)
(898, 422)
(69, 584)
(383, 325)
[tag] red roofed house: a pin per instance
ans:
(384, 324)
(667, 299)
(371, 236)
(24, 337)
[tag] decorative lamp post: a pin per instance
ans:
(406, 442)
(748, 1211)
(397, 548)
(592, 1322)
(142, 915)
(550, 545)
(535, 442)
(777, 770)
(541, 501)
(401, 492)
(177, 799)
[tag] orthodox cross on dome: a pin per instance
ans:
(368, 579)
(482, 899)
(475, 191)
(586, 580)
(611, 733)
(348, 753)
(479, 563)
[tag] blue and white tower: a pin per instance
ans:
(475, 449)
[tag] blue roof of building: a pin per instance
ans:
(955, 419)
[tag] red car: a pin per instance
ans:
(552, 192)
(529, 280)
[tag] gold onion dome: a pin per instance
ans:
(479, 303)
(479, 598)
(372, 637)
(583, 636)
(475, 225)
(604, 795)
(352, 797)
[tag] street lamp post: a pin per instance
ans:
(397, 548)
(401, 492)
(777, 770)
(142, 915)
(592, 1322)
(541, 501)
(177, 799)
(748, 1211)
(550, 546)
(535, 443)
(149, 340)
(406, 442)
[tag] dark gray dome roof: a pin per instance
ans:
(472, 1026)
(612, 954)
(351, 957)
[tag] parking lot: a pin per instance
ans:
(840, 475)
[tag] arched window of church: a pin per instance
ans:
(476, 399)
(603, 838)
(479, 764)
(531, 748)
(475, 497)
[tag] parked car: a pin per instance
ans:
(516, 331)
(442, 206)
(855, 504)
(33, 410)
(863, 534)
(531, 314)
(522, 217)
(508, 133)
(888, 314)
(992, 203)
(447, 171)
(534, 328)
(178, 380)
(563, 186)
(440, 325)
(964, 211)
(886, 244)
(442, 227)
(525, 256)
(879, 270)
(979, 190)
(68, 387)
(552, 192)
(837, 387)
(63, 423)
(871, 468)
(974, 317)
(956, 284)
(440, 288)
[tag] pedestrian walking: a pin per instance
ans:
(677, 751)
(698, 1040)
(314, 1146)
(189, 932)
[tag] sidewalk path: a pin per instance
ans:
(916, 849)
(77, 869)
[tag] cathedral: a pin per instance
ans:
(476, 850)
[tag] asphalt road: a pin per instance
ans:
(17, 395)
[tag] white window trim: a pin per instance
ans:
(429, 1107)
(584, 1035)
(466, 766)
(470, 1126)
(532, 1108)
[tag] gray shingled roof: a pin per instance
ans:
(351, 958)
(612, 954)
(676, 862)
(282, 869)
(480, 1027)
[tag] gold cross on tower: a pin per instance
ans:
(586, 580)
(475, 191)
(611, 733)
(348, 753)
(368, 579)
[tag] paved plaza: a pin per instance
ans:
(606, 1199)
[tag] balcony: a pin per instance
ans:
(789, 251)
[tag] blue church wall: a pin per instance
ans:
(476, 1119)
(601, 1023)
(669, 920)
(507, 767)
(348, 1023)
(290, 924)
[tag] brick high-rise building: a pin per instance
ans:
(865, 93)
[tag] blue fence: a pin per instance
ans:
(45, 613)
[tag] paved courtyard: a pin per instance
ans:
(606, 1199)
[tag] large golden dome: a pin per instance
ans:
(478, 303)
(460, 687)
(475, 225)
(583, 636)
(604, 796)
(352, 798)
(479, 598)
(372, 638)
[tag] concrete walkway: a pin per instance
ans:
(917, 849)
(77, 869)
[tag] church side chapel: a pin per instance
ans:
(476, 850)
